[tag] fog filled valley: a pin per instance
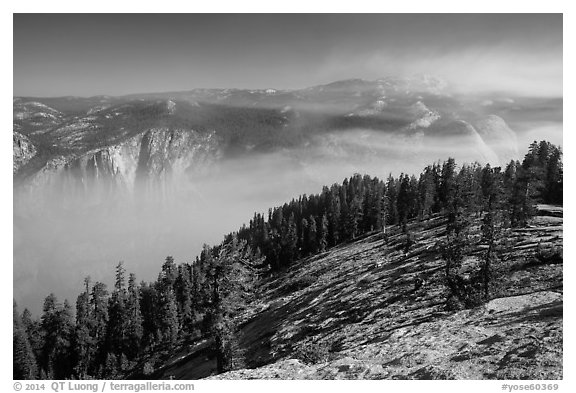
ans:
(137, 178)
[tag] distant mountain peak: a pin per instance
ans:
(416, 83)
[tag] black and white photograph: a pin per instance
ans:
(288, 196)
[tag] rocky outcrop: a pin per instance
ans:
(425, 117)
(23, 151)
(156, 160)
(517, 337)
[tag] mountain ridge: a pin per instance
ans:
(384, 106)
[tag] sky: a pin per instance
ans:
(115, 54)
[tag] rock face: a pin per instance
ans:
(425, 116)
(155, 161)
(153, 156)
(24, 150)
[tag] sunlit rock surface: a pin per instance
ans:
(354, 312)
(24, 150)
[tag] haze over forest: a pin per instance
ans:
(187, 158)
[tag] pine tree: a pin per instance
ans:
(118, 317)
(57, 356)
(426, 192)
(232, 274)
(521, 202)
(470, 188)
(99, 323)
(367, 224)
(323, 234)
(413, 196)
(111, 369)
(453, 249)
(456, 245)
(291, 240)
(344, 220)
(151, 315)
(65, 355)
(183, 288)
(446, 193)
(134, 328)
(391, 199)
(489, 231)
(199, 285)
(492, 222)
(23, 360)
(312, 238)
(554, 178)
(304, 242)
(33, 332)
(49, 327)
(169, 272)
(385, 215)
(377, 205)
(333, 216)
(84, 342)
(169, 322)
(354, 217)
(403, 201)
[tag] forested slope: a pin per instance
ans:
(368, 279)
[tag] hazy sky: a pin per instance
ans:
(66, 54)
